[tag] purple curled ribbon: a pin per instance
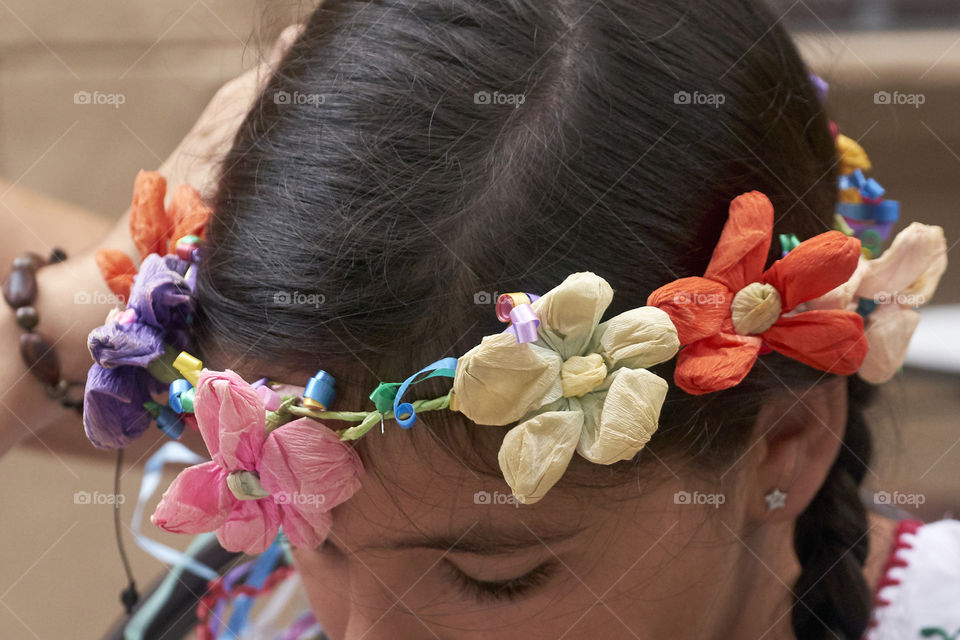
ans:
(523, 323)
(516, 309)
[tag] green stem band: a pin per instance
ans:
(367, 419)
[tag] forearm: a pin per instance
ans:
(35, 222)
(71, 300)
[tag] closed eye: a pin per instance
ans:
(500, 590)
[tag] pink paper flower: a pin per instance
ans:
(257, 482)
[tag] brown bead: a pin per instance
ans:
(28, 260)
(27, 318)
(57, 255)
(40, 358)
(20, 288)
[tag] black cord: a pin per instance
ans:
(129, 596)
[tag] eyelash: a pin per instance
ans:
(503, 590)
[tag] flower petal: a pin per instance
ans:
(889, 329)
(569, 312)
(715, 363)
(188, 213)
(500, 380)
(134, 344)
(149, 226)
(815, 267)
(535, 453)
(638, 338)
(911, 265)
(308, 469)
(619, 420)
(231, 419)
(197, 501)
(845, 295)
(113, 411)
(303, 532)
(117, 270)
(831, 340)
(744, 243)
(251, 526)
(161, 297)
(696, 306)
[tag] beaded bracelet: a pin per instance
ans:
(20, 292)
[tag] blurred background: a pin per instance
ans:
(59, 570)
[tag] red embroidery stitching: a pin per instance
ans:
(893, 561)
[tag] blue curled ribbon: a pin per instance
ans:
(442, 367)
(152, 475)
(868, 187)
(258, 575)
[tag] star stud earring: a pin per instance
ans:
(776, 499)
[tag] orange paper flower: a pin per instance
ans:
(725, 316)
(153, 227)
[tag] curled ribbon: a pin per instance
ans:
(517, 309)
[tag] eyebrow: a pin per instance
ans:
(486, 542)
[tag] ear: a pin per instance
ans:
(797, 437)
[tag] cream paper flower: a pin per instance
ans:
(905, 276)
(582, 386)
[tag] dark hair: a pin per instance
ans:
(374, 171)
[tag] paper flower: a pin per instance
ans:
(161, 297)
(581, 386)
(257, 482)
(905, 276)
(113, 399)
(724, 317)
(154, 227)
(115, 344)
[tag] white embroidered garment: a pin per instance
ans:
(919, 593)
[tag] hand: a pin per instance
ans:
(67, 318)
(196, 159)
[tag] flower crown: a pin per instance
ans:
(836, 302)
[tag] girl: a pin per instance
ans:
(408, 162)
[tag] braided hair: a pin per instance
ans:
(831, 538)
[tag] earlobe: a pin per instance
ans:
(797, 436)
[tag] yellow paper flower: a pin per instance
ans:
(582, 386)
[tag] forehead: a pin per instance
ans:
(420, 485)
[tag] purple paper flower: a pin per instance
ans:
(113, 411)
(161, 297)
(116, 345)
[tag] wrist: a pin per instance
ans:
(72, 300)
